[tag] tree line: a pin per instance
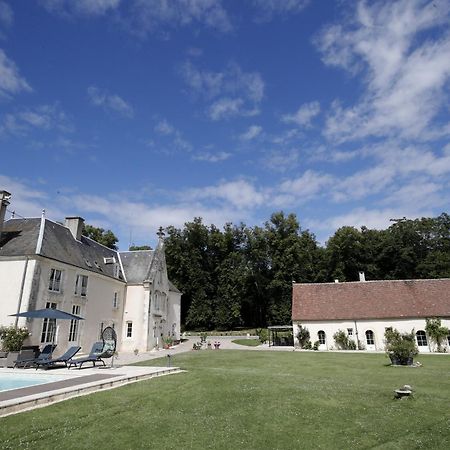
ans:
(242, 276)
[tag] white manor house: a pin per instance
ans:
(45, 264)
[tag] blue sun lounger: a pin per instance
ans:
(56, 362)
(45, 355)
(95, 355)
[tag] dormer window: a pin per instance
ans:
(109, 260)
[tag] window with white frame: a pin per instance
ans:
(74, 324)
(102, 327)
(350, 331)
(129, 329)
(55, 280)
(116, 300)
(321, 335)
(81, 284)
(48, 326)
(421, 338)
(370, 338)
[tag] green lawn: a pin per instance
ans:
(253, 400)
(247, 342)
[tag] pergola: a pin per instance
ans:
(281, 335)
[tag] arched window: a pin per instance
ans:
(370, 339)
(321, 336)
(421, 338)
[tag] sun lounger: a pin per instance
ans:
(22, 357)
(95, 356)
(43, 356)
(63, 359)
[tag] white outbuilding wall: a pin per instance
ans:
(358, 330)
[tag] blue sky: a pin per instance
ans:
(141, 113)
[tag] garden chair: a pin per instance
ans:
(56, 361)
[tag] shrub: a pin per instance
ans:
(203, 336)
(400, 347)
(263, 335)
(316, 345)
(303, 337)
(12, 338)
(343, 342)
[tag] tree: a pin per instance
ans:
(106, 238)
(134, 248)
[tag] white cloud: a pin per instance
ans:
(304, 115)
(6, 15)
(405, 79)
(80, 7)
(282, 160)
(212, 157)
(110, 102)
(308, 185)
(151, 15)
(267, 9)
(27, 201)
(371, 218)
(10, 80)
(239, 194)
(230, 93)
(44, 117)
(165, 128)
(252, 132)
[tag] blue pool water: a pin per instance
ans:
(10, 381)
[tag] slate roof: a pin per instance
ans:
(20, 238)
(136, 265)
(173, 288)
(371, 300)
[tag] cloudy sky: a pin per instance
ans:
(141, 113)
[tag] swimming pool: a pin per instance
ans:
(9, 380)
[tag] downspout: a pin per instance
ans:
(22, 285)
(357, 337)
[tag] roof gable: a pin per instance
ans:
(371, 300)
(136, 265)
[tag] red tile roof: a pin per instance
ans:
(371, 300)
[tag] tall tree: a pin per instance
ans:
(104, 237)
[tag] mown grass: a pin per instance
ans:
(247, 342)
(253, 400)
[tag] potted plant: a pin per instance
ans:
(168, 341)
(400, 347)
(12, 339)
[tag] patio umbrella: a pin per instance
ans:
(48, 313)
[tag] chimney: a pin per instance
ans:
(362, 276)
(75, 225)
(4, 202)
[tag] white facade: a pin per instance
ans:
(369, 333)
(90, 283)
